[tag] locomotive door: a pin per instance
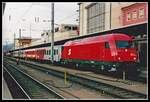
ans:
(106, 52)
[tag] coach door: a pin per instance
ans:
(56, 57)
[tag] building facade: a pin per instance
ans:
(24, 42)
(135, 13)
(103, 16)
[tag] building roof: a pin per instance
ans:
(129, 6)
(24, 38)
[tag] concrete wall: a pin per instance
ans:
(107, 16)
(64, 35)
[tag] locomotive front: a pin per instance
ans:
(126, 54)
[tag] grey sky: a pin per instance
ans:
(22, 15)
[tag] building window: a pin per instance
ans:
(141, 13)
(96, 18)
(134, 15)
(129, 16)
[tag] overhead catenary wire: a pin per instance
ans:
(68, 17)
(24, 14)
(18, 21)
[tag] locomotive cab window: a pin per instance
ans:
(107, 45)
(124, 44)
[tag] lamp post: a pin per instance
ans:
(52, 39)
(30, 30)
(14, 40)
(19, 44)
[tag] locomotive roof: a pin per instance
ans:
(97, 39)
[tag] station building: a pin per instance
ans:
(63, 31)
(24, 42)
(120, 17)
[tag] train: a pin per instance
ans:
(110, 52)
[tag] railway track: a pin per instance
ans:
(16, 90)
(33, 87)
(129, 80)
(103, 87)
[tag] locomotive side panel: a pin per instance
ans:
(84, 52)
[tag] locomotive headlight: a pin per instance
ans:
(132, 54)
(126, 50)
(118, 58)
(134, 58)
(114, 65)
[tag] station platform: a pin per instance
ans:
(6, 91)
(144, 74)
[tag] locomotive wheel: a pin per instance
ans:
(102, 67)
(77, 65)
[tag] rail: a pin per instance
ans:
(34, 88)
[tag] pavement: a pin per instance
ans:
(6, 91)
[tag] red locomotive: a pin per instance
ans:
(104, 52)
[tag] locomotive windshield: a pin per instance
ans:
(124, 44)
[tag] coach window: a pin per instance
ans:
(49, 52)
(57, 51)
(107, 45)
(54, 52)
